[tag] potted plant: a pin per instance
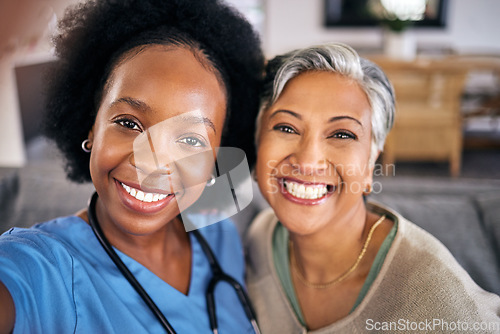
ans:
(396, 17)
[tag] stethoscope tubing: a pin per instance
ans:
(123, 268)
(218, 276)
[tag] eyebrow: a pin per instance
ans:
(198, 120)
(134, 103)
(296, 115)
(338, 118)
(144, 107)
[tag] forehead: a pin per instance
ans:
(321, 92)
(171, 76)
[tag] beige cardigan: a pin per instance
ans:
(419, 287)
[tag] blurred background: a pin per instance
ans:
(441, 165)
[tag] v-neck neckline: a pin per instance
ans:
(143, 274)
(197, 256)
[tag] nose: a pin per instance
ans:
(308, 157)
(147, 159)
(147, 163)
(152, 172)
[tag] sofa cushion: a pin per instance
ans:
(489, 205)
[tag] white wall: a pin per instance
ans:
(29, 42)
(473, 26)
(12, 152)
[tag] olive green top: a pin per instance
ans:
(282, 264)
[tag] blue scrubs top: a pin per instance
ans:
(62, 281)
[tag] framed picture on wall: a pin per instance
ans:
(358, 13)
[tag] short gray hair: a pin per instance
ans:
(337, 58)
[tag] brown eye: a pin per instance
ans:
(128, 123)
(192, 141)
(285, 128)
(343, 135)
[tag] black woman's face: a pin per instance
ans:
(160, 118)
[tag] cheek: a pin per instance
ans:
(101, 162)
(108, 151)
(189, 196)
(351, 165)
(196, 169)
(354, 170)
(351, 158)
(266, 159)
(267, 167)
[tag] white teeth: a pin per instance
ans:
(303, 191)
(148, 197)
(142, 196)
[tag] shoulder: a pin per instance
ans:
(273, 309)
(261, 228)
(43, 246)
(258, 239)
(424, 280)
(41, 237)
(37, 268)
(259, 250)
(416, 252)
(412, 241)
(427, 254)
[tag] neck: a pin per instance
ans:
(326, 255)
(165, 252)
(151, 249)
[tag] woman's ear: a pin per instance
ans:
(89, 142)
(91, 136)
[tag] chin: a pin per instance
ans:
(301, 223)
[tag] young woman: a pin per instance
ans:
(321, 259)
(142, 93)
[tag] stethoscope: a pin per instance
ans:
(218, 276)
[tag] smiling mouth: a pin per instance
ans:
(144, 196)
(307, 191)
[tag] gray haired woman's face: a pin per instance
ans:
(314, 149)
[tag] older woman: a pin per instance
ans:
(142, 93)
(321, 259)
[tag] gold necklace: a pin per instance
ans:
(344, 275)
